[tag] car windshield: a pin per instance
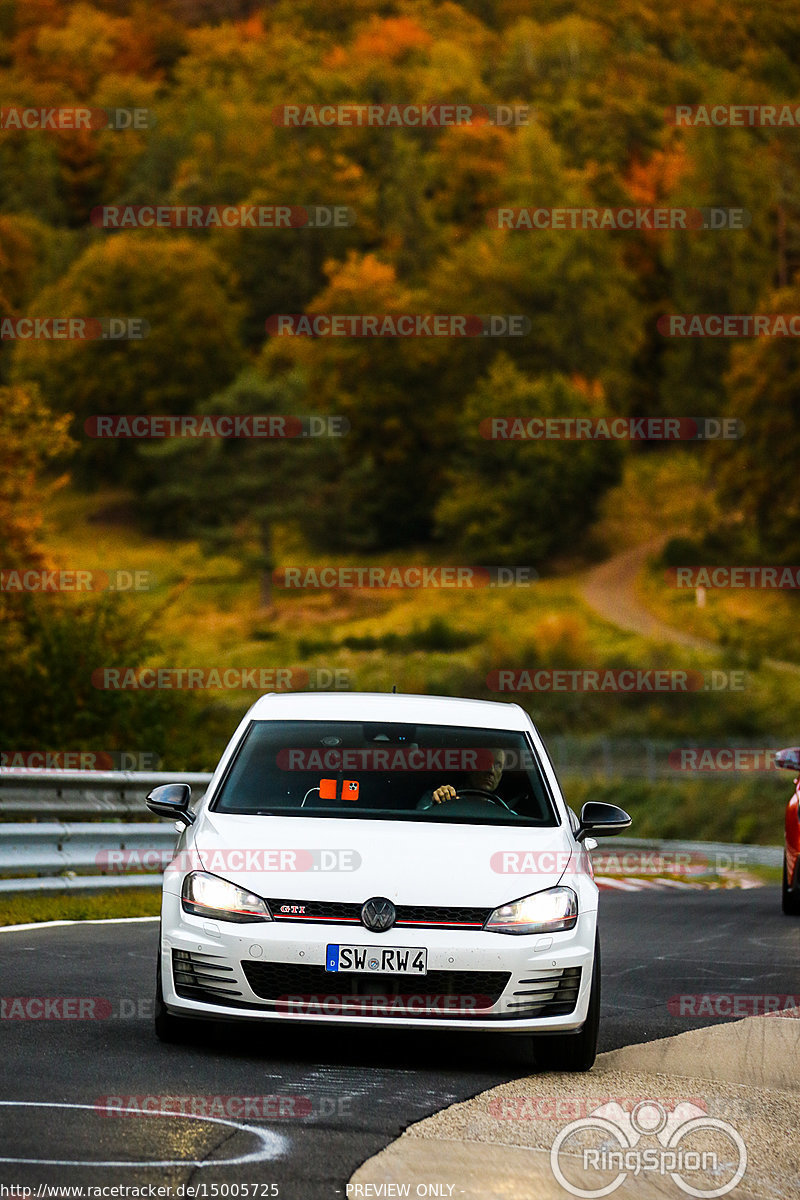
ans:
(387, 771)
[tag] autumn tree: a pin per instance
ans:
(231, 492)
(32, 441)
(187, 297)
(757, 474)
(522, 501)
(384, 482)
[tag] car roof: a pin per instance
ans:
(389, 706)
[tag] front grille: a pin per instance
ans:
(439, 993)
(205, 977)
(409, 916)
(549, 993)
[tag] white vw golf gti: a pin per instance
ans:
(384, 860)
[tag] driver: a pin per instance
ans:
(484, 781)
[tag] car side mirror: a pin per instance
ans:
(171, 800)
(602, 819)
(790, 759)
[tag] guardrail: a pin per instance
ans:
(58, 852)
(37, 795)
(45, 855)
(39, 854)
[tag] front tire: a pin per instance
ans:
(790, 900)
(574, 1051)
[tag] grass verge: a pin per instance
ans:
(22, 908)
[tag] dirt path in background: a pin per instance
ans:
(610, 589)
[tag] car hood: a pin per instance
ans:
(409, 862)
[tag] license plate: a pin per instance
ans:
(383, 960)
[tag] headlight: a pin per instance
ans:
(545, 912)
(209, 896)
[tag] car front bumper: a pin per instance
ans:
(532, 983)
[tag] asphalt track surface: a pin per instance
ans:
(345, 1094)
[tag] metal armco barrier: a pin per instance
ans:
(39, 854)
(106, 849)
(45, 855)
(38, 795)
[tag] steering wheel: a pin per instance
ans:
(492, 797)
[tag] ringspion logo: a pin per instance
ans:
(702, 1155)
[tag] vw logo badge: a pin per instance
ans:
(378, 914)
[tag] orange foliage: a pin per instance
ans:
(30, 438)
(654, 181)
(253, 27)
(592, 389)
(351, 282)
(390, 39)
(80, 46)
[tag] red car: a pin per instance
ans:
(790, 892)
